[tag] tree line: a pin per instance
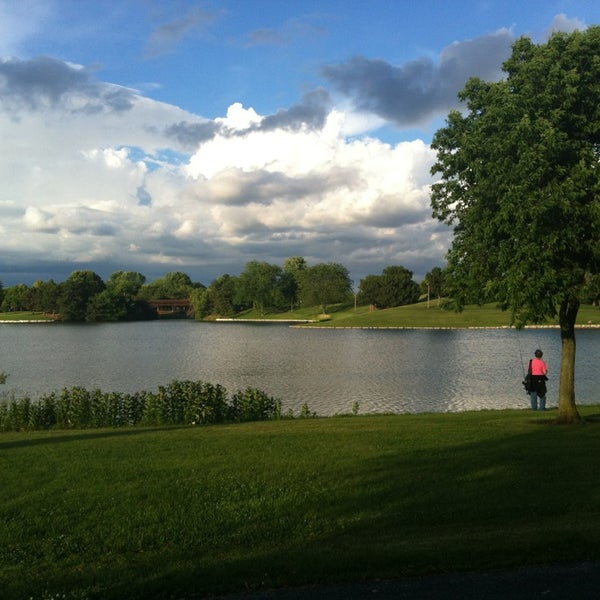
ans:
(265, 287)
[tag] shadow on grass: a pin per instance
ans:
(49, 437)
(497, 503)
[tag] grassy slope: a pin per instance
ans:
(149, 513)
(25, 316)
(415, 315)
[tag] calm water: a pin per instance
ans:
(382, 370)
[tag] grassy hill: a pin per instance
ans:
(413, 315)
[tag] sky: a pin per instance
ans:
(196, 136)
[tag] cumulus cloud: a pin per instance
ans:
(562, 22)
(102, 188)
(318, 194)
(311, 112)
(415, 92)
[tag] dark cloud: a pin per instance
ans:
(191, 135)
(290, 32)
(311, 111)
(419, 90)
(44, 81)
(167, 36)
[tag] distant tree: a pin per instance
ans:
(202, 303)
(108, 306)
(45, 296)
(325, 284)
(222, 294)
(16, 298)
(1, 293)
(433, 284)
(520, 184)
(125, 283)
(591, 290)
(257, 285)
(394, 287)
(76, 292)
(173, 285)
(289, 282)
(369, 290)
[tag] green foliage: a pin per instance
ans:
(394, 287)
(125, 283)
(324, 284)
(173, 285)
(520, 184)
(253, 405)
(179, 403)
(257, 285)
(16, 298)
(519, 179)
(222, 295)
(76, 292)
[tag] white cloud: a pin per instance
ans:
(93, 176)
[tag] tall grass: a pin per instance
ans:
(185, 512)
(180, 402)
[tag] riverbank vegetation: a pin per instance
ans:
(178, 403)
(184, 512)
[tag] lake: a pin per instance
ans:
(383, 370)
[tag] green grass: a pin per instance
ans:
(185, 512)
(25, 315)
(415, 315)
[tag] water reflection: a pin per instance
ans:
(330, 370)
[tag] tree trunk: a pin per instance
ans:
(567, 410)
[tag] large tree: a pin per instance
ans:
(325, 284)
(257, 284)
(394, 287)
(76, 292)
(519, 183)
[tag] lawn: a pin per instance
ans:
(178, 512)
(414, 315)
(26, 316)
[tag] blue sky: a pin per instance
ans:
(156, 135)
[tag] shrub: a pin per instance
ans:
(178, 403)
(253, 405)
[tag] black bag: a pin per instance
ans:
(528, 382)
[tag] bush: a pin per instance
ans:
(253, 405)
(178, 403)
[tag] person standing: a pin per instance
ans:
(538, 370)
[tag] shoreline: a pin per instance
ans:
(299, 324)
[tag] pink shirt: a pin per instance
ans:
(538, 367)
